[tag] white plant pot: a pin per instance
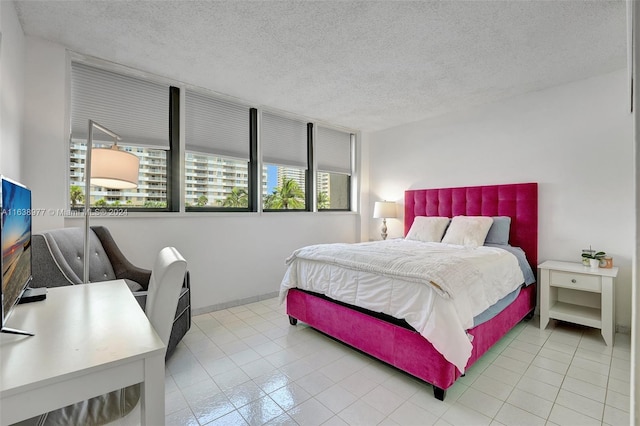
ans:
(594, 263)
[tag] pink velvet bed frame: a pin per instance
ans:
(407, 349)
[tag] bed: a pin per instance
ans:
(392, 340)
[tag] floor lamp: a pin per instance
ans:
(109, 168)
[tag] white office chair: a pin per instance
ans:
(165, 283)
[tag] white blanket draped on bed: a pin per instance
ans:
(437, 288)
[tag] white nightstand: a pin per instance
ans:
(575, 293)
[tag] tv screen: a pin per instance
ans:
(15, 239)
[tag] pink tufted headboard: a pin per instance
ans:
(518, 201)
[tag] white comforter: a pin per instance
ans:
(437, 288)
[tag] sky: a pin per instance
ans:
(272, 178)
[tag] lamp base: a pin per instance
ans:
(383, 234)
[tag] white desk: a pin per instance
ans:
(89, 340)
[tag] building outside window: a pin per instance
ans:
(229, 187)
(152, 177)
(333, 191)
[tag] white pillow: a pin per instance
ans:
(468, 231)
(427, 229)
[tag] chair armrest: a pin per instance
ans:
(120, 264)
(133, 273)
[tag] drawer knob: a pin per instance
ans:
(573, 280)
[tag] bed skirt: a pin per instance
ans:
(400, 347)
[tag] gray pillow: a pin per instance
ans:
(499, 231)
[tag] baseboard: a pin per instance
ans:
(233, 303)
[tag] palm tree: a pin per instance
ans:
(323, 201)
(269, 200)
(202, 201)
(237, 198)
(75, 195)
(288, 196)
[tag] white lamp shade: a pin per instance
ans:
(112, 168)
(384, 209)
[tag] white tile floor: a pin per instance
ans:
(247, 365)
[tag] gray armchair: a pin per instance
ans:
(57, 261)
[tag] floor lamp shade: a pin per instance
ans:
(113, 168)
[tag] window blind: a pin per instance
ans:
(135, 109)
(284, 141)
(333, 151)
(216, 127)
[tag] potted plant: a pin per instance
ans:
(592, 258)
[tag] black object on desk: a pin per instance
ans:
(33, 295)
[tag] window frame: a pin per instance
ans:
(252, 168)
(171, 154)
(175, 155)
(352, 145)
(309, 203)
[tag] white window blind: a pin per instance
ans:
(333, 150)
(216, 127)
(284, 141)
(135, 109)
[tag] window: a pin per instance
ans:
(218, 172)
(284, 154)
(333, 177)
(151, 192)
(221, 166)
(225, 191)
(138, 111)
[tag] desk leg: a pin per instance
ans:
(607, 310)
(152, 391)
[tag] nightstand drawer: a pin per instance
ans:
(585, 282)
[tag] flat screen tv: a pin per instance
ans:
(15, 239)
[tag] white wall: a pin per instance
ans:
(575, 140)
(11, 91)
(231, 256)
(45, 144)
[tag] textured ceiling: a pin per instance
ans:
(364, 65)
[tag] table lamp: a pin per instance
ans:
(385, 210)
